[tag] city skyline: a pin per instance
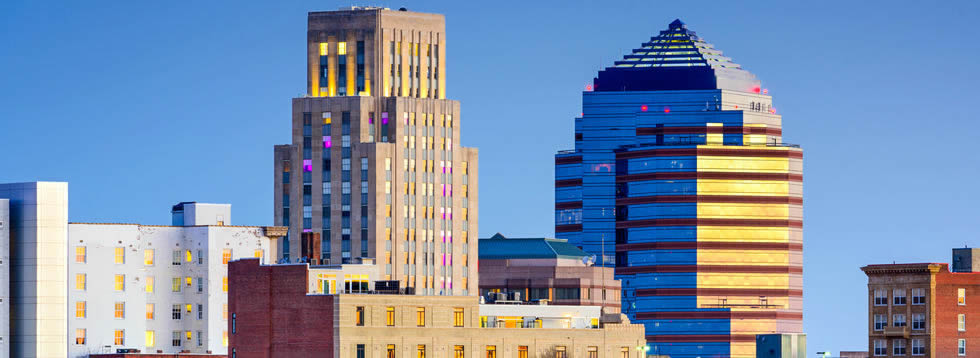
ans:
(852, 119)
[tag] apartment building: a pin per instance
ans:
(157, 288)
(924, 309)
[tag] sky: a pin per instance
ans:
(140, 105)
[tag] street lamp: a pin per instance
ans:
(641, 351)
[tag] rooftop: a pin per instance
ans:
(499, 247)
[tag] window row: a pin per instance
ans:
(178, 311)
(490, 351)
(177, 284)
(177, 338)
(149, 256)
(916, 347)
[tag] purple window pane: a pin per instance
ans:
(326, 142)
(308, 165)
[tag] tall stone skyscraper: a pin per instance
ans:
(680, 179)
(376, 167)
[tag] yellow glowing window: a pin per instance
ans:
(624, 352)
(175, 287)
(225, 256)
(560, 352)
(188, 335)
(390, 351)
(80, 281)
(458, 317)
(120, 310)
(224, 338)
(224, 311)
(189, 308)
(459, 352)
(390, 316)
(224, 284)
(961, 296)
(150, 282)
(359, 316)
(188, 256)
(119, 337)
(341, 48)
(324, 49)
(120, 282)
(150, 311)
(120, 257)
(148, 257)
(258, 254)
(521, 351)
(189, 281)
(80, 309)
(492, 352)
(420, 351)
(150, 339)
(80, 336)
(420, 316)
(80, 254)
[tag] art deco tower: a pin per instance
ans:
(680, 179)
(376, 167)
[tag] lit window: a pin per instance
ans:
(80, 281)
(120, 282)
(341, 48)
(492, 352)
(189, 308)
(459, 352)
(150, 282)
(224, 311)
(390, 351)
(150, 339)
(119, 337)
(593, 352)
(224, 338)
(225, 256)
(359, 316)
(324, 50)
(80, 254)
(150, 311)
(420, 316)
(80, 336)
(188, 335)
(189, 281)
(188, 256)
(624, 352)
(224, 284)
(961, 322)
(148, 257)
(458, 317)
(420, 351)
(120, 256)
(258, 254)
(175, 286)
(390, 316)
(961, 296)
(522, 352)
(120, 310)
(560, 352)
(80, 309)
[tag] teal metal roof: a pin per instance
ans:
(500, 247)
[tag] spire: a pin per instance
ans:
(675, 59)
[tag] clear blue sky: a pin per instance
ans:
(141, 104)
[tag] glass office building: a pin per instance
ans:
(680, 179)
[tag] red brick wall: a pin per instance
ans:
(947, 311)
(273, 315)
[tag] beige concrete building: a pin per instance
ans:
(38, 230)
(375, 166)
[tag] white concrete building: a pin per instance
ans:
(38, 229)
(157, 288)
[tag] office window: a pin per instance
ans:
(880, 322)
(961, 322)
(961, 296)
(898, 296)
(176, 258)
(918, 321)
(119, 337)
(359, 316)
(80, 281)
(188, 281)
(420, 351)
(120, 255)
(224, 284)
(150, 311)
(188, 256)
(881, 348)
(898, 347)
(360, 351)
(560, 352)
(175, 286)
(148, 257)
(918, 347)
(390, 316)
(80, 336)
(459, 352)
(150, 282)
(390, 351)
(420, 316)
(918, 296)
(120, 310)
(491, 352)
(225, 256)
(120, 282)
(175, 312)
(593, 352)
(458, 317)
(80, 255)
(898, 320)
(961, 347)
(881, 298)
(80, 309)
(150, 339)
(521, 351)
(175, 339)
(188, 335)
(189, 308)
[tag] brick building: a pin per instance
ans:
(924, 309)
(546, 269)
(277, 311)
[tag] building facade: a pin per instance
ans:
(37, 242)
(376, 155)
(680, 180)
(157, 288)
(543, 269)
(5, 277)
(922, 310)
(276, 314)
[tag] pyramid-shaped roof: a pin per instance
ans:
(676, 59)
